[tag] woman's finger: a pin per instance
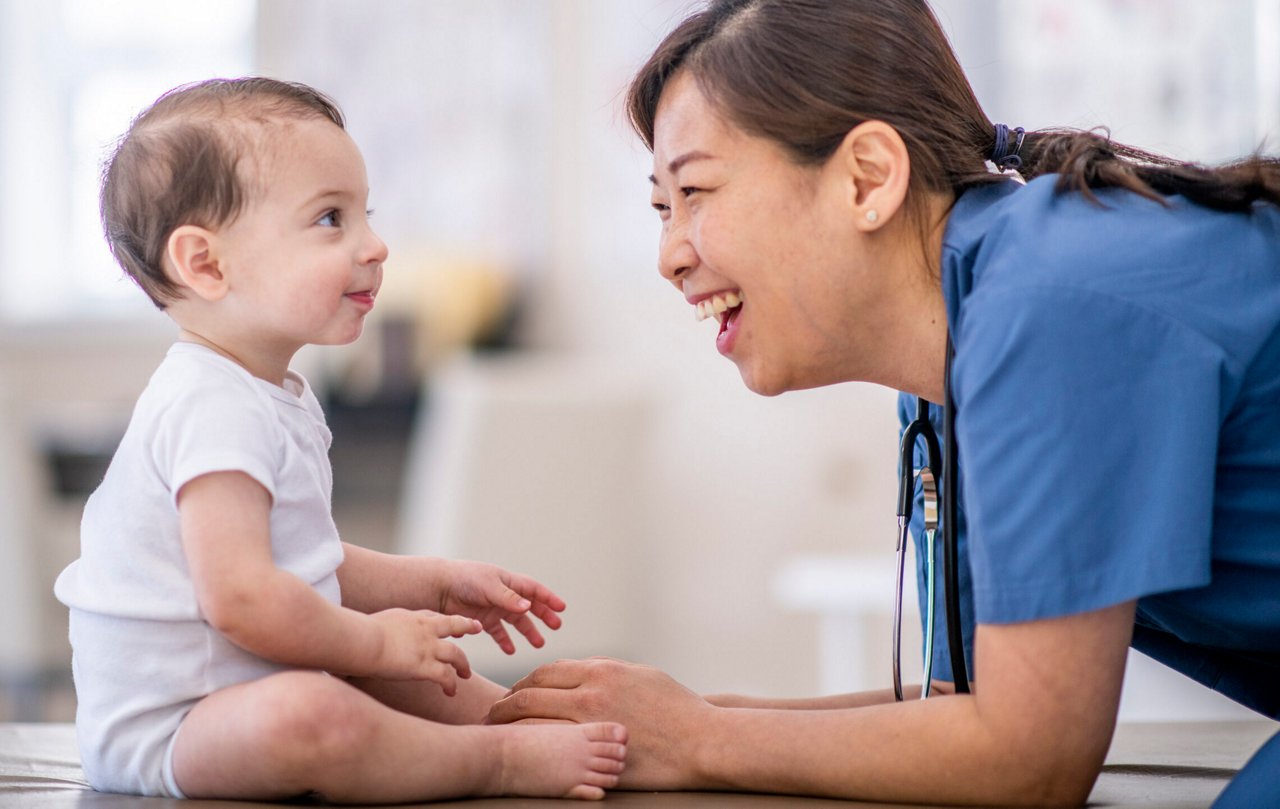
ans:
(535, 703)
(560, 674)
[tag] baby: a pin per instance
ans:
(227, 643)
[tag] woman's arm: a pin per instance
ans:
(859, 699)
(1036, 733)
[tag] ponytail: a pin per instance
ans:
(1085, 161)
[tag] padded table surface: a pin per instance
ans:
(1171, 765)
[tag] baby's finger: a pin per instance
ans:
(454, 658)
(529, 629)
(443, 675)
(544, 613)
(510, 600)
(455, 626)
(536, 592)
(499, 634)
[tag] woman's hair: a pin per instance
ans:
(804, 72)
(183, 161)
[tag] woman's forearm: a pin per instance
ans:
(859, 699)
(942, 750)
(1036, 733)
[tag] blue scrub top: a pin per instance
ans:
(1117, 383)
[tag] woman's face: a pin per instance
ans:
(762, 246)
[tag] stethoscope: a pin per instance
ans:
(939, 467)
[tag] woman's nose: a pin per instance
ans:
(676, 255)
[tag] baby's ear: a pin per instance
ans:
(192, 258)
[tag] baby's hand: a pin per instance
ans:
(413, 647)
(493, 595)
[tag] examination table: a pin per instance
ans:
(1172, 765)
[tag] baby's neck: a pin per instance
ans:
(273, 375)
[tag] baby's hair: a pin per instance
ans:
(180, 163)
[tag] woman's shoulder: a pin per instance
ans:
(1072, 237)
(1177, 259)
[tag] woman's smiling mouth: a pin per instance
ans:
(725, 307)
(718, 305)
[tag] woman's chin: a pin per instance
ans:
(762, 383)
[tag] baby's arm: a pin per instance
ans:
(373, 581)
(226, 535)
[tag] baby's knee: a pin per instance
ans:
(310, 720)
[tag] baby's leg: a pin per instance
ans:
(469, 706)
(302, 732)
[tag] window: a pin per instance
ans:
(74, 72)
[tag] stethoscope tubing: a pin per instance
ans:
(922, 427)
(950, 536)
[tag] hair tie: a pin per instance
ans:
(1001, 154)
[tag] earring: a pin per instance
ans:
(872, 216)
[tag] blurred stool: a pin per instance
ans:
(536, 464)
(853, 596)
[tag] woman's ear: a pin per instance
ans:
(876, 161)
(192, 257)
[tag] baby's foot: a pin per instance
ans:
(562, 761)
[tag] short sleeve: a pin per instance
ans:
(1088, 430)
(217, 426)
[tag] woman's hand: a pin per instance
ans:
(1035, 734)
(662, 717)
(493, 596)
(414, 647)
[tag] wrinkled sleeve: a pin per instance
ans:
(1088, 435)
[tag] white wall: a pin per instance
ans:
(494, 136)
(518, 104)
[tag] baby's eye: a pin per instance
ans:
(329, 220)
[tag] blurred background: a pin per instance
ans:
(528, 390)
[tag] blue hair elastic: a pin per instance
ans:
(1001, 154)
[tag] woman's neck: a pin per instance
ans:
(914, 318)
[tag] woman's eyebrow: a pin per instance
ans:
(687, 157)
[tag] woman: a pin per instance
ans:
(827, 185)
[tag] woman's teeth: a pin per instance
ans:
(717, 305)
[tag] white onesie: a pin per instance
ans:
(143, 654)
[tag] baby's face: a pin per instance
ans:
(304, 265)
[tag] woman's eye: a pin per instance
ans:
(688, 191)
(660, 208)
(329, 220)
